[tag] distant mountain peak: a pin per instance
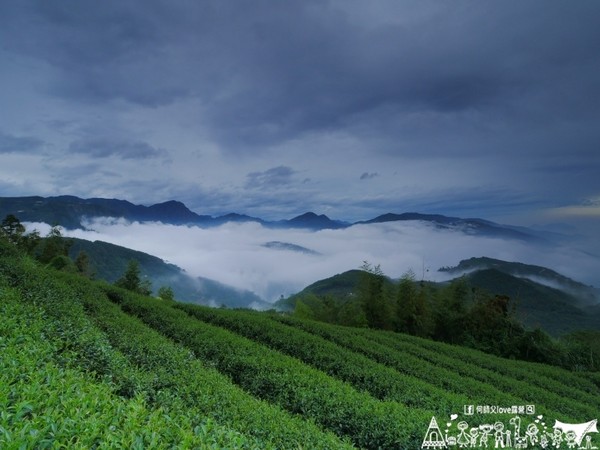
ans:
(172, 203)
(174, 210)
(314, 221)
(311, 216)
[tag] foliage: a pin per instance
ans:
(49, 400)
(82, 265)
(326, 355)
(166, 293)
(583, 350)
(53, 246)
(373, 298)
(132, 280)
(13, 231)
(93, 335)
(456, 313)
(283, 380)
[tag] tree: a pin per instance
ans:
(582, 350)
(412, 310)
(352, 314)
(489, 326)
(166, 293)
(373, 297)
(537, 346)
(12, 229)
(132, 281)
(54, 245)
(406, 307)
(82, 264)
(303, 311)
(451, 309)
(30, 241)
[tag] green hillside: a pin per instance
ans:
(341, 286)
(85, 364)
(556, 310)
(108, 262)
(577, 293)
(537, 305)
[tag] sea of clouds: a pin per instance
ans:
(235, 253)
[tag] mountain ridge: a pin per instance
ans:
(588, 295)
(70, 211)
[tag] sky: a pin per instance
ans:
(346, 108)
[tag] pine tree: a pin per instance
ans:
(132, 281)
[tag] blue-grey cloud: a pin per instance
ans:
(271, 178)
(271, 71)
(19, 144)
(368, 175)
(102, 147)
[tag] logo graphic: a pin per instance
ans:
(433, 437)
(580, 429)
(510, 434)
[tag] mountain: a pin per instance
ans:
(543, 297)
(109, 262)
(312, 221)
(467, 226)
(582, 294)
(341, 286)
(554, 310)
(71, 212)
(234, 217)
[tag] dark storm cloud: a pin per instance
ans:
(462, 202)
(102, 147)
(270, 71)
(368, 175)
(19, 144)
(102, 50)
(271, 178)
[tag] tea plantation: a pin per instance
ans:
(85, 364)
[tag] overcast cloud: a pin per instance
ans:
(342, 107)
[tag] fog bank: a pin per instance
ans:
(236, 254)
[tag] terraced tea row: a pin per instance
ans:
(563, 384)
(440, 367)
(136, 363)
(286, 381)
(44, 404)
(363, 373)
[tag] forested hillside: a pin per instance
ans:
(488, 310)
(87, 364)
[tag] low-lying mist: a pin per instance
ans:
(236, 254)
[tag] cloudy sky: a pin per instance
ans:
(271, 108)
